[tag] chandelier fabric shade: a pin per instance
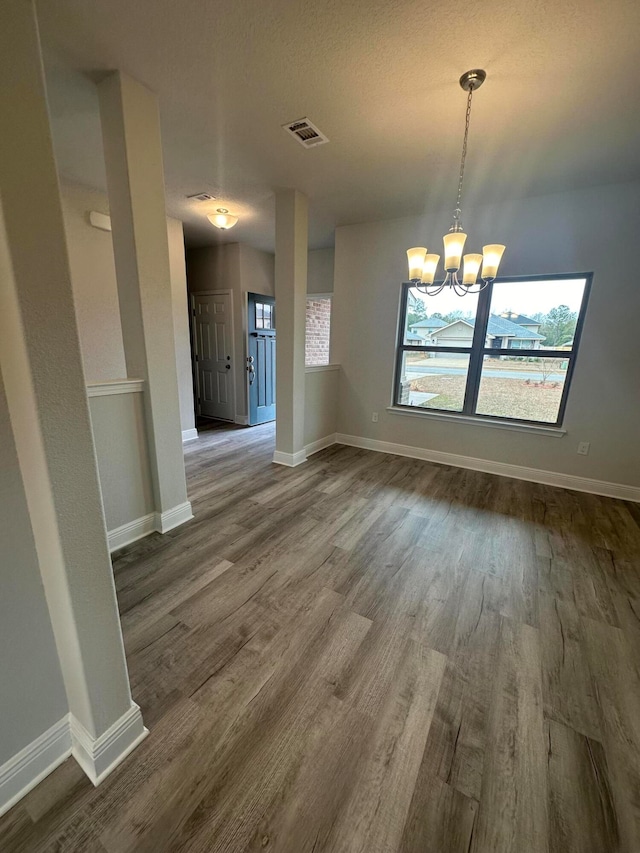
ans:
(423, 266)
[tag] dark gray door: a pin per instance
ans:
(261, 366)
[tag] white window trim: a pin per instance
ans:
(476, 420)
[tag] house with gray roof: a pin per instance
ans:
(424, 329)
(521, 320)
(501, 334)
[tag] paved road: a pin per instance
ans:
(535, 375)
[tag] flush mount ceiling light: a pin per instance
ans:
(222, 219)
(423, 266)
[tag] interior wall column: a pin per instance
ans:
(135, 180)
(292, 215)
(46, 396)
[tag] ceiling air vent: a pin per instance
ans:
(306, 133)
(201, 197)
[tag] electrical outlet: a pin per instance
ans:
(583, 448)
(374, 417)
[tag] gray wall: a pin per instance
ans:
(32, 690)
(589, 230)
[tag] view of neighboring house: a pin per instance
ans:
(501, 334)
(414, 340)
(424, 329)
(521, 320)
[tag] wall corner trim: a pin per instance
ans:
(38, 759)
(291, 460)
(620, 491)
(320, 444)
(173, 517)
(241, 420)
(189, 435)
(99, 756)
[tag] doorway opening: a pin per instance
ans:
(261, 358)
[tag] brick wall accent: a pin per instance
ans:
(318, 325)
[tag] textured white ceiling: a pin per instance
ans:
(560, 108)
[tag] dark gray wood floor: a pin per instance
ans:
(369, 654)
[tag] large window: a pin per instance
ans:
(507, 353)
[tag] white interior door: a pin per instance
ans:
(212, 320)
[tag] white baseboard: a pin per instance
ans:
(155, 522)
(99, 756)
(131, 532)
(23, 772)
(241, 420)
(518, 472)
(320, 444)
(291, 460)
(189, 435)
(173, 517)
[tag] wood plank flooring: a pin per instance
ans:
(369, 654)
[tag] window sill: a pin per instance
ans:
(553, 432)
(315, 368)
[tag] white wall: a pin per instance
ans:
(241, 269)
(320, 404)
(31, 685)
(588, 230)
(96, 296)
(320, 271)
(94, 284)
(123, 461)
(180, 302)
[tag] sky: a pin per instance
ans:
(521, 297)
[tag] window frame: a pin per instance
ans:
(478, 350)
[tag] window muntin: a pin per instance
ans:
(501, 338)
(264, 315)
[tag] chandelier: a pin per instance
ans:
(222, 219)
(423, 266)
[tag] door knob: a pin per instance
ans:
(228, 366)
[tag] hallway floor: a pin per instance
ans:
(369, 654)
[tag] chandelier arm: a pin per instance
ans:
(479, 287)
(435, 290)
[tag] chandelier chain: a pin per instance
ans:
(464, 151)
